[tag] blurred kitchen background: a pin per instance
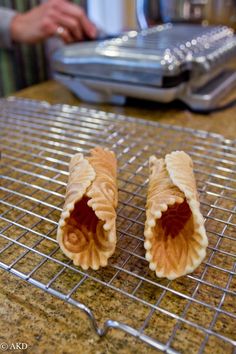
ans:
(119, 15)
(26, 65)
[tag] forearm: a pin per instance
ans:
(6, 16)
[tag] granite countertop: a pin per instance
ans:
(222, 122)
(47, 324)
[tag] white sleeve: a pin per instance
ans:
(6, 16)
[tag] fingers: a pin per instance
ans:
(66, 36)
(72, 18)
(51, 26)
(76, 13)
(70, 25)
(73, 26)
(88, 27)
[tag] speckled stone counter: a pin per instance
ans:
(47, 324)
(222, 122)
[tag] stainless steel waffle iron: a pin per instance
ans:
(162, 63)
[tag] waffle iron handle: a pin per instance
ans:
(214, 95)
(140, 14)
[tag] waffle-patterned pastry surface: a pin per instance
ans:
(87, 227)
(175, 236)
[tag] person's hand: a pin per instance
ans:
(59, 17)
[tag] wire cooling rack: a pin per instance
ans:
(194, 312)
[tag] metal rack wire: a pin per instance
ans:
(38, 140)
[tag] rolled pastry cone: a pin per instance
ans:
(175, 237)
(87, 227)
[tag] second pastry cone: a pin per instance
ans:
(175, 237)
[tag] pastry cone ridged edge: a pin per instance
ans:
(77, 164)
(83, 175)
